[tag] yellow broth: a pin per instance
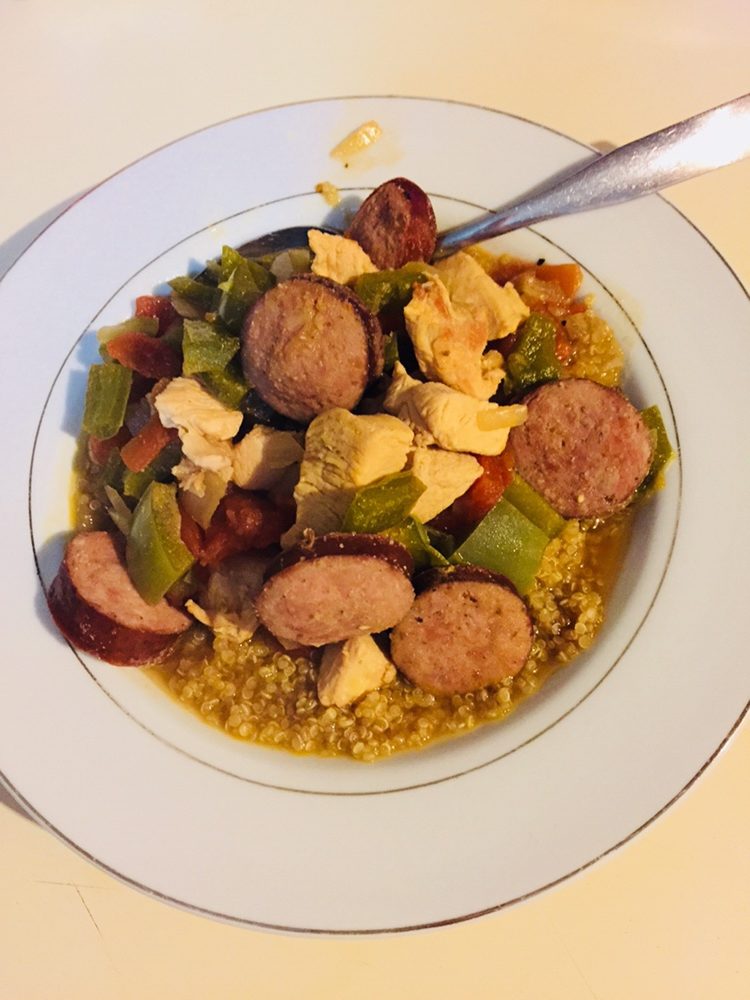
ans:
(257, 692)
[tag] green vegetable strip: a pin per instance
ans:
(381, 289)
(250, 271)
(441, 540)
(507, 542)
(533, 359)
(390, 352)
(243, 282)
(663, 450)
(533, 506)
(155, 553)
(413, 535)
(134, 483)
(136, 324)
(228, 386)
(384, 503)
(204, 297)
(205, 349)
(173, 335)
(107, 394)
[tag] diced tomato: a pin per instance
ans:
(507, 268)
(243, 521)
(101, 448)
(190, 533)
(145, 355)
(468, 510)
(141, 450)
(159, 307)
(567, 276)
(484, 493)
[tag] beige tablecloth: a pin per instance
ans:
(90, 86)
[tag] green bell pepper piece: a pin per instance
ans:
(390, 352)
(415, 537)
(663, 450)
(533, 506)
(507, 542)
(380, 289)
(203, 296)
(243, 282)
(383, 504)
(228, 386)
(206, 349)
(107, 392)
(173, 335)
(160, 469)
(533, 359)
(442, 541)
(155, 554)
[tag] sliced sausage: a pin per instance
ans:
(467, 628)
(335, 587)
(395, 224)
(97, 608)
(309, 344)
(583, 446)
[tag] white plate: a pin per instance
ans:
(145, 790)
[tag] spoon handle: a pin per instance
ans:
(704, 142)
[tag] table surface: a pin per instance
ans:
(92, 86)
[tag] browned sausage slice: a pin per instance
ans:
(584, 447)
(308, 345)
(97, 608)
(335, 587)
(467, 629)
(395, 224)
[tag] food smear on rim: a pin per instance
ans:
(331, 194)
(358, 140)
(346, 500)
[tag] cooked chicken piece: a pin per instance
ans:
(342, 453)
(264, 456)
(441, 416)
(499, 307)
(447, 476)
(337, 257)
(186, 405)
(450, 319)
(226, 603)
(352, 668)
(205, 427)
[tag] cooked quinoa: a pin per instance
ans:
(255, 691)
(258, 693)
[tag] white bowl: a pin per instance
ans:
(148, 791)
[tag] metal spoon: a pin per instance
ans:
(691, 147)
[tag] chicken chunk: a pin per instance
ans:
(499, 307)
(441, 416)
(186, 405)
(447, 476)
(226, 603)
(450, 319)
(205, 427)
(337, 257)
(352, 668)
(342, 453)
(264, 456)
